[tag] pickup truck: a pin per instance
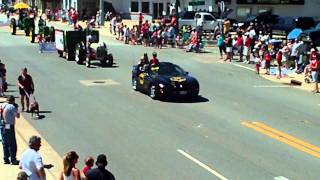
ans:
(206, 21)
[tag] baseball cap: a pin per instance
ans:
(11, 99)
(101, 160)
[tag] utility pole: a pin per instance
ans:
(102, 12)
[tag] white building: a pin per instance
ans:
(242, 8)
(155, 8)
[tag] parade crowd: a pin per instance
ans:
(253, 44)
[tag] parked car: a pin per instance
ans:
(283, 25)
(261, 18)
(203, 20)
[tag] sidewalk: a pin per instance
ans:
(23, 132)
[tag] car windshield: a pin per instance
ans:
(170, 69)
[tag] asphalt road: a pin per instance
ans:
(147, 139)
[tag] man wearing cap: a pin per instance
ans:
(100, 173)
(9, 113)
(31, 161)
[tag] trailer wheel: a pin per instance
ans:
(79, 54)
(88, 62)
(110, 59)
(60, 53)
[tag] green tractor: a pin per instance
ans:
(24, 23)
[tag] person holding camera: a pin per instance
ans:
(9, 113)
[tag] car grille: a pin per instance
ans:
(181, 86)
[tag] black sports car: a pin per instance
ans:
(164, 80)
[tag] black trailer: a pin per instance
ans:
(77, 45)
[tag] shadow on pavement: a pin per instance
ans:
(45, 112)
(199, 99)
(9, 91)
(98, 65)
(40, 117)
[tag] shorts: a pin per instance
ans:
(293, 58)
(315, 76)
(23, 92)
(229, 49)
(145, 36)
(279, 63)
(268, 64)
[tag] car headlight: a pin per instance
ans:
(161, 85)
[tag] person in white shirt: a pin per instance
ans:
(31, 161)
(114, 24)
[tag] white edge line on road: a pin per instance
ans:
(280, 178)
(271, 86)
(202, 164)
(245, 67)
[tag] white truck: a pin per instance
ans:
(206, 21)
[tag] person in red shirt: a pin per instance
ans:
(75, 18)
(267, 58)
(247, 49)
(144, 32)
(315, 68)
(313, 56)
(140, 19)
(174, 23)
(193, 44)
(154, 61)
(89, 162)
(279, 62)
(240, 46)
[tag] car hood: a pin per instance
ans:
(169, 79)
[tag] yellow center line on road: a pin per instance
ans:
(283, 137)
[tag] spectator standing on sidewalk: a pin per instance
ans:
(258, 62)
(89, 162)
(140, 19)
(31, 161)
(114, 24)
(100, 173)
(240, 46)
(221, 45)
(228, 42)
(74, 18)
(247, 48)
(315, 68)
(70, 172)
(9, 113)
(3, 84)
(294, 53)
(98, 18)
(26, 85)
(279, 62)
(267, 58)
